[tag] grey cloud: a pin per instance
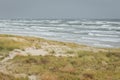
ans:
(59, 8)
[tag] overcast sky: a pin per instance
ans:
(73, 9)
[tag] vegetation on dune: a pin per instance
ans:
(99, 66)
(89, 64)
(10, 43)
(9, 77)
(6, 44)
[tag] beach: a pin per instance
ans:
(59, 40)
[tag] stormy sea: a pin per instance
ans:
(98, 33)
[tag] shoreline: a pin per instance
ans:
(65, 41)
(90, 48)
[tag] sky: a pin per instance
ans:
(60, 9)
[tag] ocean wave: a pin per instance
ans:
(88, 32)
(103, 45)
(62, 25)
(104, 35)
(103, 39)
(73, 22)
(55, 21)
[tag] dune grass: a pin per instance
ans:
(99, 66)
(10, 77)
(8, 44)
(89, 64)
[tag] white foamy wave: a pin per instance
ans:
(2, 24)
(102, 39)
(103, 45)
(113, 22)
(55, 21)
(60, 28)
(105, 26)
(104, 35)
(100, 22)
(93, 22)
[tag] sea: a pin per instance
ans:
(92, 32)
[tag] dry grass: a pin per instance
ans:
(89, 64)
(48, 76)
(9, 77)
